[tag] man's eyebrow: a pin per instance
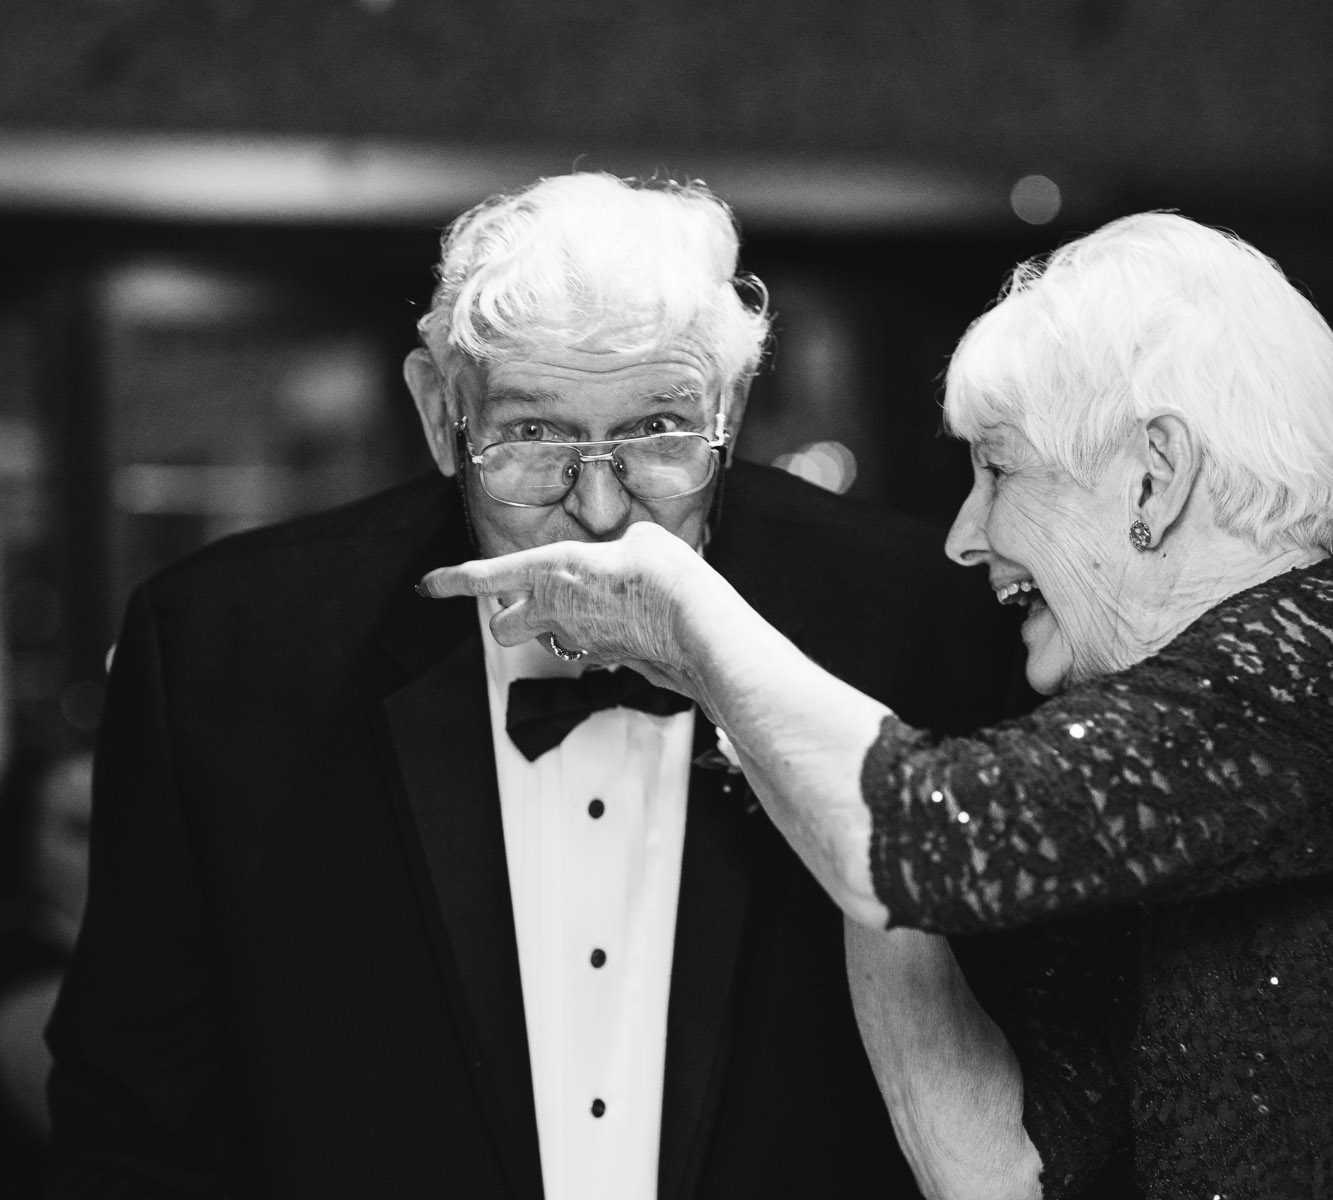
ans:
(681, 391)
(513, 395)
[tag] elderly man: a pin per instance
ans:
(382, 908)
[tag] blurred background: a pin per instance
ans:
(218, 220)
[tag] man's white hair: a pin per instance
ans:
(1152, 314)
(589, 258)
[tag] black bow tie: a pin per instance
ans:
(542, 712)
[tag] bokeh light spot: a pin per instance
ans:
(829, 465)
(1035, 199)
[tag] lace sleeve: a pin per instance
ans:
(1204, 769)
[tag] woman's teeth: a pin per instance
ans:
(1017, 593)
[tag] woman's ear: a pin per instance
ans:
(437, 423)
(1170, 467)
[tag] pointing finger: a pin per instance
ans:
(511, 573)
(449, 581)
(480, 577)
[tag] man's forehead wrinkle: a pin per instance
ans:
(601, 352)
(608, 367)
(536, 397)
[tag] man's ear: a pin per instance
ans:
(1170, 465)
(427, 388)
(736, 402)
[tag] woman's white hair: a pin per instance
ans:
(1155, 313)
(587, 258)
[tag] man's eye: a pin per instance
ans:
(661, 423)
(526, 431)
(994, 471)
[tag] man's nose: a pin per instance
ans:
(967, 544)
(597, 500)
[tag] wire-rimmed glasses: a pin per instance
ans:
(658, 466)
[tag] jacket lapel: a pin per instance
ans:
(710, 922)
(440, 736)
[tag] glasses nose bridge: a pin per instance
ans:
(605, 456)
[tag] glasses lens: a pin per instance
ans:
(535, 473)
(660, 467)
(665, 465)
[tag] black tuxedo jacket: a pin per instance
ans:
(297, 974)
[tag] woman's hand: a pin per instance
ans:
(633, 601)
(648, 601)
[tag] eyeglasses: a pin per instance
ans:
(660, 466)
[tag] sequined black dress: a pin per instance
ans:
(1161, 841)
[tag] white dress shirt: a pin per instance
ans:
(594, 831)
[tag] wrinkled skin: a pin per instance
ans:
(586, 394)
(1030, 520)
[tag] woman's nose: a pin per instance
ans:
(967, 544)
(597, 501)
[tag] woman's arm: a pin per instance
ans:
(649, 601)
(801, 736)
(1188, 774)
(949, 1079)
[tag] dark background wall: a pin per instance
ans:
(217, 219)
(1133, 90)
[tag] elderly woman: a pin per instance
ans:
(1150, 413)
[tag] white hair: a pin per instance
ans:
(630, 264)
(1155, 313)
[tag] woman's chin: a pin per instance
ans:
(1044, 683)
(1048, 660)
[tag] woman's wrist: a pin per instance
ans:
(719, 640)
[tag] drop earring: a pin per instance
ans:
(1140, 536)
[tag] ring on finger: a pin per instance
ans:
(563, 654)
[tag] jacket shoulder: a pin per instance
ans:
(876, 598)
(765, 506)
(366, 528)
